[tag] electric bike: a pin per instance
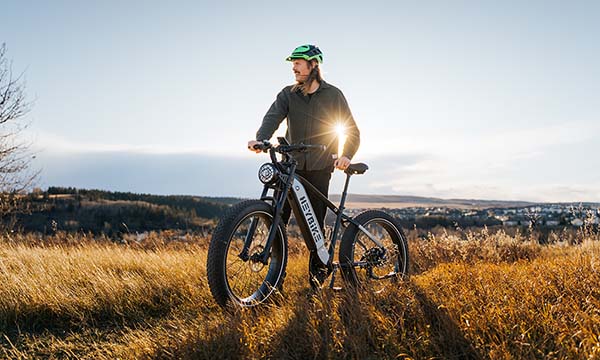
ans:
(248, 251)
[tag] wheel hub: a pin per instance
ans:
(255, 264)
(375, 257)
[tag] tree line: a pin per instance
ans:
(113, 213)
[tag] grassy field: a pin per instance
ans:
(470, 295)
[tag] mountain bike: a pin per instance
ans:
(248, 251)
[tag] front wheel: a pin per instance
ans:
(364, 262)
(245, 280)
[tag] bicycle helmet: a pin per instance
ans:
(306, 52)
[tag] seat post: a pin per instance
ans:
(345, 192)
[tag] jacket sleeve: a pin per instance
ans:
(352, 133)
(277, 112)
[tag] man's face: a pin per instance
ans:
(301, 69)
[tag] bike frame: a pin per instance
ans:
(293, 188)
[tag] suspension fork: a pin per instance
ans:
(244, 254)
(264, 256)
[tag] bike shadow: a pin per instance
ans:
(350, 324)
(447, 339)
(222, 340)
(305, 335)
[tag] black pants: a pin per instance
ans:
(320, 180)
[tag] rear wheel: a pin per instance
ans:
(245, 280)
(365, 263)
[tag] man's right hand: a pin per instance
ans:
(251, 144)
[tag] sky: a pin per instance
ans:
(454, 99)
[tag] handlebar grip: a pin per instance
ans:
(262, 145)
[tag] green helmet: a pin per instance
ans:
(306, 52)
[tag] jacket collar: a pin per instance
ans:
(322, 85)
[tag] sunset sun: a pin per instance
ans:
(340, 131)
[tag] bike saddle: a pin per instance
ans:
(358, 168)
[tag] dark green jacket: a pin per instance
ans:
(313, 120)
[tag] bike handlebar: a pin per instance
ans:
(263, 145)
(284, 149)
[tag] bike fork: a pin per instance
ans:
(244, 254)
(264, 256)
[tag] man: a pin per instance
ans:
(314, 110)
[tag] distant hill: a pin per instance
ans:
(114, 213)
(403, 201)
(220, 200)
(111, 213)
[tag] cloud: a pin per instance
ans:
(236, 176)
(544, 171)
(465, 145)
(566, 193)
(55, 144)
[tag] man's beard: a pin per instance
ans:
(302, 79)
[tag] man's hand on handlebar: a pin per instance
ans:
(252, 144)
(342, 163)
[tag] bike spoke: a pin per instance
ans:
(361, 244)
(236, 271)
(377, 265)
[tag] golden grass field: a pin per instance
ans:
(470, 295)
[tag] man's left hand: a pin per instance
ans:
(342, 163)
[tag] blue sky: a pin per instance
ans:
(454, 99)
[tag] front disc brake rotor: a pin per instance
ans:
(256, 265)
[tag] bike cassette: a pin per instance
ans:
(375, 257)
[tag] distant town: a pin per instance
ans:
(547, 215)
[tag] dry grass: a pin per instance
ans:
(479, 295)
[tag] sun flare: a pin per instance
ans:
(340, 130)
